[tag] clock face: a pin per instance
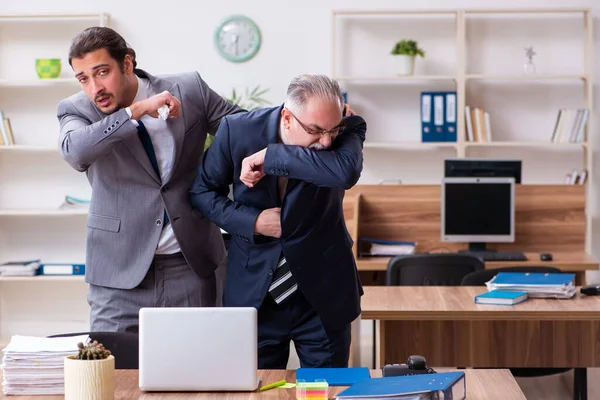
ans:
(237, 39)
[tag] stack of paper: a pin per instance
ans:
(35, 365)
(376, 247)
(536, 284)
(20, 268)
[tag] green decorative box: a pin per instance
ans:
(47, 68)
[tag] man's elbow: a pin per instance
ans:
(72, 158)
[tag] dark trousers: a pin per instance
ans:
(295, 319)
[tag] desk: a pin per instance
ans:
(481, 385)
(444, 324)
(574, 262)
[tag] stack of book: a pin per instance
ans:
(35, 365)
(535, 284)
(385, 248)
(20, 268)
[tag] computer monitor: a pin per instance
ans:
(482, 168)
(478, 211)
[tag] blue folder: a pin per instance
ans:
(450, 384)
(333, 376)
(533, 278)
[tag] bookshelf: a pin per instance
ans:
(35, 178)
(454, 54)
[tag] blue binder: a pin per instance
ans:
(333, 376)
(533, 279)
(62, 269)
(449, 384)
(450, 117)
(427, 133)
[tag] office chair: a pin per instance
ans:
(440, 269)
(123, 345)
(479, 278)
(444, 269)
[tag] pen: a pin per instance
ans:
(273, 385)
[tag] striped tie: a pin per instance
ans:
(284, 283)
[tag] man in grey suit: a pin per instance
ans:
(146, 246)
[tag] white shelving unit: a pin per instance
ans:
(454, 25)
(35, 177)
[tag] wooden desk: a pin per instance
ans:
(446, 326)
(481, 385)
(574, 262)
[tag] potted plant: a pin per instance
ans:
(405, 52)
(90, 374)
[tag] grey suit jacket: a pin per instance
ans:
(128, 197)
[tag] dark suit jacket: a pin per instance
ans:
(314, 237)
(128, 197)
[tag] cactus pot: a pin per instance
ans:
(90, 379)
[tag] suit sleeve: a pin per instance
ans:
(81, 142)
(339, 167)
(216, 107)
(211, 186)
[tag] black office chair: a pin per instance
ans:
(479, 278)
(442, 269)
(436, 269)
(123, 345)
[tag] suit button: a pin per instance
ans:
(270, 272)
(164, 189)
(158, 222)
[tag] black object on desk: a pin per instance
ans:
(416, 365)
(546, 257)
(591, 290)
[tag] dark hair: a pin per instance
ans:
(100, 37)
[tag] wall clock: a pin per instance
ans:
(237, 38)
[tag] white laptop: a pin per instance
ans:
(198, 349)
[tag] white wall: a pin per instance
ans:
(177, 36)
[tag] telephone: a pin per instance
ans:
(414, 366)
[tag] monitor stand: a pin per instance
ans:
(476, 247)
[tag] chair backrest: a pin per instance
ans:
(479, 278)
(431, 269)
(123, 345)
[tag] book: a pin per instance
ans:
(442, 385)
(501, 297)
(333, 376)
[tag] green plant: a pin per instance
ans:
(408, 47)
(250, 100)
(92, 351)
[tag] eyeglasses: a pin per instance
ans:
(333, 132)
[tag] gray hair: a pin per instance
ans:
(306, 86)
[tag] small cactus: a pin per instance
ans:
(92, 351)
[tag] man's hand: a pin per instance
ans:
(253, 168)
(151, 105)
(268, 223)
(348, 110)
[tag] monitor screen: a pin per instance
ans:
(478, 209)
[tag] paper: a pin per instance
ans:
(35, 365)
(163, 112)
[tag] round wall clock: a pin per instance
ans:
(237, 38)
